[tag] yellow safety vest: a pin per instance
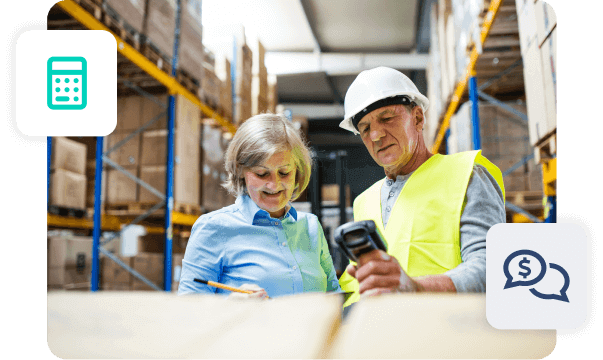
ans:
(424, 226)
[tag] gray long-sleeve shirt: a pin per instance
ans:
(483, 208)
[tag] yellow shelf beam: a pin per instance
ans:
(549, 177)
(460, 87)
(90, 22)
(114, 223)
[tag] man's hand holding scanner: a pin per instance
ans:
(379, 273)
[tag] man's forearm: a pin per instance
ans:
(434, 283)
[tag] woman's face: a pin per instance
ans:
(271, 184)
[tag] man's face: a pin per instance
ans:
(391, 134)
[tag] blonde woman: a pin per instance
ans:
(261, 243)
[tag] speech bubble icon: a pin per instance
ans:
(562, 296)
(517, 281)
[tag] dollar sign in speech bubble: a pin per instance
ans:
(527, 269)
(510, 283)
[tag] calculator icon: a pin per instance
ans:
(67, 83)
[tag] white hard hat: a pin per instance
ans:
(371, 86)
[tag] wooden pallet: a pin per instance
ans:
(188, 81)
(93, 7)
(68, 212)
(527, 200)
(546, 148)
(191, 209)
(154, 55)
(131, 208)
(121, 29)
(138, 208)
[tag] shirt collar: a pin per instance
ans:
(252, 212)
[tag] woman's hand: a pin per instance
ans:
(258, 292)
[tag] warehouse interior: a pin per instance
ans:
(487, 68)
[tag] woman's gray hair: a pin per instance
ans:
(256, 140)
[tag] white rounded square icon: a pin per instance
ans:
(66, 83)
(536, 276)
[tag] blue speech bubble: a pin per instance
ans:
(510, 283)
(562, 293)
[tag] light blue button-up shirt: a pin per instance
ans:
(241, 244)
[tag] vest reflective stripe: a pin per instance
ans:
(424, 227)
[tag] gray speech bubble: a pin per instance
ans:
(510, 283)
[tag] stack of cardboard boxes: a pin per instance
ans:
(259, 84)
(243, 81)
(144, 155)
(147, 261)
(68, 174)
(223, 72)
(211, 84)
(214, 143)
(186, 156)
(69, 261)
(538, 42)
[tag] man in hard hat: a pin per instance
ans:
(433, 210)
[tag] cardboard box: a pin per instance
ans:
(155, 243)
(68, 155)
(132, 11)
(259, 53)
(160, 21)
(67, 189)
(149, 265)
(151, 109)
(129, 110)
(186, 184)
(113, 276)
(546, 19)
(538, 118)
(90, 188)
(210, 88)
(527, 22)
(129, 153)
(186, 138)
(120, 188)
(451, 53)
(190, 52)
(212, 164)
(69, 261)
(548, 52)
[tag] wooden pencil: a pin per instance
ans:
(222, 286)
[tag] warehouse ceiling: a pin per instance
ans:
(317, 47)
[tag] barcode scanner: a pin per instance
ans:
(360, 237)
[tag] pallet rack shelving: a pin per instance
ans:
(475, 92)
(104, 222)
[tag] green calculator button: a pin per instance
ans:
(58, 80)
(58, 89)
(66, 89)
(67, 80)
(76, 89)
(76, 80)
(76, 98)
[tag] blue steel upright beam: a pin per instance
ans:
(96, 232)
(169, 181)
(477, 140)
